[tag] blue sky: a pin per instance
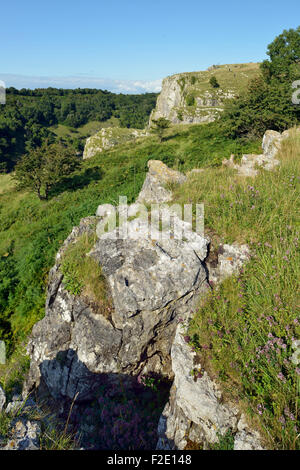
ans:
(130, 45)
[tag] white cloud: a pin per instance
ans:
(82, 81)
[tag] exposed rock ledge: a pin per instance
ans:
(271, 144)
(154, 284)
(108, 137)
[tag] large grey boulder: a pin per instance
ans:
(152, 284)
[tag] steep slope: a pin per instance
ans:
(190, 98)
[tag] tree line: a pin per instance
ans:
(28, 114)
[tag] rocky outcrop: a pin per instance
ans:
(155, 280)
(109, 137)
(271, 145)
(188, 98)
(2, 398)
(154, 189)
(171, 104)
(196, 411)
(73, 342)
(24, 432)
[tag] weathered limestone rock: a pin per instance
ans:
(231, 258)
(2, 352)
(2, 398)
(152, 282)
(250, 163)
(196, 410)
(271, 143)
(246, 438)
(24, 432)
(108, 137)
(24, 435)
(188, 98)
(159, 175)
(171, 104)
(197, 402)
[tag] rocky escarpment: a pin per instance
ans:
(108, 137)
(155, 281)
(189, 98)
(152, 281)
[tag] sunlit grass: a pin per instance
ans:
(245, 331)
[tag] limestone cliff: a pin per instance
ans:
(190, 98)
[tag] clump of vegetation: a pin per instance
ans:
(159, 127)
(246, 330)
(181, 83)
(226, 441)
(214, 82)
(190, 100)
(83, 274)
(13, 373)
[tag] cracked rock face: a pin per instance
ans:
(196, 410)
(171, 103)
(152, 284)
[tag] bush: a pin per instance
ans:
(190, 100)
(214, 82)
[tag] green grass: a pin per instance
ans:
(230, 77)
(244, 332)
(6, 183)
(31, 231)
(83, 275)
(92, 127)
(13, 373)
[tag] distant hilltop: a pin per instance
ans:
(196, 97)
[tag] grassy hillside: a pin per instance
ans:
(67, 133)
(231, 77)
(31, 231)
(245, 331)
